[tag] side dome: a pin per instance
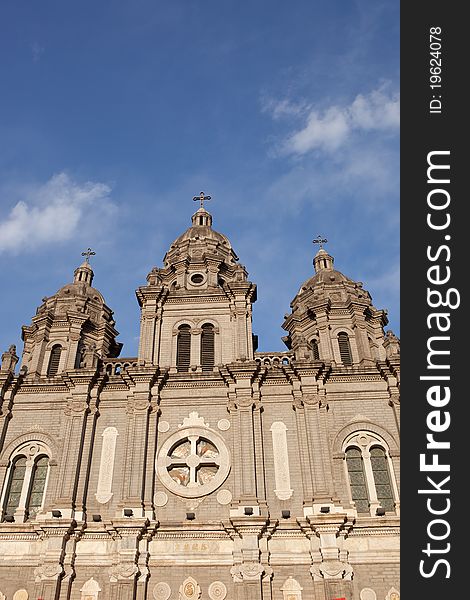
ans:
(72, 329)
(81, 285)
(333, 319)
(329, 283)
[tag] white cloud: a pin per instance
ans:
(332, 128)
(282, 108)
(51, 213)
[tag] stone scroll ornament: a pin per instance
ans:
(105, 477)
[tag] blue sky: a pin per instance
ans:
(115, 114)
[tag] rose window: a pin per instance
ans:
(193, 462)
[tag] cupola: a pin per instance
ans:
(333, 318)
(196, 309)
(72, 329)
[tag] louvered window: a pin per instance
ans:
(54, 360)
(15, 486)
(315, 352)
(207, 347)
(383, 485)
(357, 479)
(183, 348)
(345, 349)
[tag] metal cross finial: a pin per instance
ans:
(201, 198)
(87, 254)
(320, 240)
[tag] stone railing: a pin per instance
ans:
(274, 359)
(115, 366)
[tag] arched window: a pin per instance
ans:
(345, 349)
(183, 348)
(15, 485)
(370, 473)
(315, 352)
(54, 360)
(383, 485)
(207, 347)
(357, 479)
(27, 477)
(38, 484)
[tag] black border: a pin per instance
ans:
(422, 132)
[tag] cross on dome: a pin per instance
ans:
(202, 198)
(320, 240)
(87, 254)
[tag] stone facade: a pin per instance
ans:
(202, 468)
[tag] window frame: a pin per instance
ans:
(207, 329)
(344, 347)
(365, 441)
(187, 329)
(51, 356)
(32, 451)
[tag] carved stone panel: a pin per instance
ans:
(105, 477)
(367, 594)
(291, 589)
(217, 590)
(194, 461)
(90, 590)
(189, 590)
(393, 594)
(281, 461)
(161, 591)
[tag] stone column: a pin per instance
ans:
(8, 387)
(195, 361)
(147, 338)
(326, 450)
(248, 571)
(315, 444)
(306, 468)
(72, 349)
(51, 579)
(259, 451)
(76, 411)
(138, 406)
(334, 570)
(125, 572)
(87, 453)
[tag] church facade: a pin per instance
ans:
(201, 468)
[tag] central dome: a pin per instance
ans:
(198, 239)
